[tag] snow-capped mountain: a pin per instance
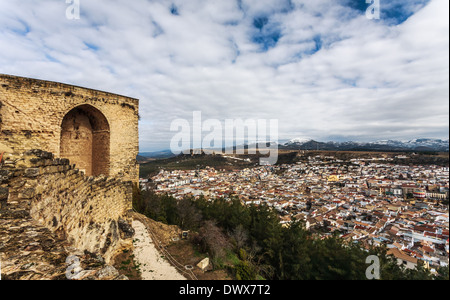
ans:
(422, 144)
(430, 143)
(299, 141)
(418, 144)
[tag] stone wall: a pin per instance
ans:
(63, 119)
(88, 213)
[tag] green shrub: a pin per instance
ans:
(245, 271)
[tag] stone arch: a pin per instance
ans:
(85, 140)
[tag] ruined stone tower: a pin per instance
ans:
(68, 163)
(97, 131)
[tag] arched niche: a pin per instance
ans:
(85, 140)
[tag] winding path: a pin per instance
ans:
(153, 265)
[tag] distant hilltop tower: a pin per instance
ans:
(97, 131)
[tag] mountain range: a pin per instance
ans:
(422, 144)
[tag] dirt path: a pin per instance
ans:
(153, 266)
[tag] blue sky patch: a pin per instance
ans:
(260, 22)
(267, 39)
(290, 6)
(174, 10)
(240, 5)
(392, 12)
(92, 46)
(158, 29)
(397, 12)
(236, 51)
(51, 58)
(266, 34)
(318, 40)
(23, 30)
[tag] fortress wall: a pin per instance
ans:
(89, 213)
(32, 114)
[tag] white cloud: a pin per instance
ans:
(328, 71)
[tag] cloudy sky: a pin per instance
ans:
(321, 67)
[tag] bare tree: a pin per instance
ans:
(189, 216)
(239, 237)
(213, 240)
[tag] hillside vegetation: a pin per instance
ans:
(250, 243)
(188, 162)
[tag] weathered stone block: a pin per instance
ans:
(27, 193)
(203, 265)
(126, 230)
(5, 173)
(4, 192)
(39, 153)
(108, 272)
(32, 172)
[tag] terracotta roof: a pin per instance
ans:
(401, 255)
(427, 249)
(397, 245)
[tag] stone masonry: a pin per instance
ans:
(73, 197)
(49, 210)
(97, 131)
